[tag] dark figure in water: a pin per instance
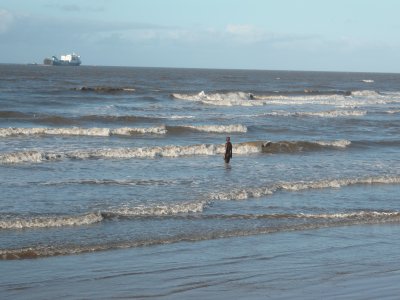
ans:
(228, 150)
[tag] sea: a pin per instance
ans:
(113, 184)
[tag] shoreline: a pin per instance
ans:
(356, 262)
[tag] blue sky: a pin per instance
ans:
(320, 35)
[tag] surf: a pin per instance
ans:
(77, 131)
(270, 189)
(169, 151)
(306, 222)
(354, 98)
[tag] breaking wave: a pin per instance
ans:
(196, 207)
(323, 221)
(257, 192)
(301, 146)
(337, 98)
(195, 210)
(322, 114)
(228, 99)
(76, 131)
(123, 131)
(213, 128)
(50, 221)
(156, 210)
(333, 113)
(246, 148)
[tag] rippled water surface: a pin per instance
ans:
(96, 159)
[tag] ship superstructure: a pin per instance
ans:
(65, 60)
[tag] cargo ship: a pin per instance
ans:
(65, 60)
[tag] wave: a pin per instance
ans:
(104, 89)
(172, 151)
(211, 128)
(257, 192)
(156, 210)
(393, 111)
(50, 221)
(338, 98)
(77, 131)
(227, 99)
(125, 211)
(193, 208)
(301, 146)
(322, 114)
(116, 182)
(124, 131)
(76, 120)
(355, 215)
(332, 113)
(326, 220)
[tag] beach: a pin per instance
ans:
(340, 263)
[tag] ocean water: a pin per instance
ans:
(113, 183)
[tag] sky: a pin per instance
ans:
(310, 35)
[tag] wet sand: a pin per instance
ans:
(353, 262)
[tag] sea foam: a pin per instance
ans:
(257, 192)
(171, 151)
(76, 131)
(218, 128)
(169, 209)
(359, 98)
(317, 221)
(123, 211)
(50, 221)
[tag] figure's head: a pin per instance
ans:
(228, 139)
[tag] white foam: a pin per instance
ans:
(50, 221)
(337, 144)
(353, 215)
(225, 99)
(157, 210)
(355, 99)
(76, 131)
(219, 128)
(256, 192)
(333, 113)
(321, 114)
(368, 80)
(171, 151)
(177, 117)
(31, 156)
(130, 130)
(366, 93)
(95, 217)
(393, 111)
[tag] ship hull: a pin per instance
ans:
(66, 63)
(66, 60)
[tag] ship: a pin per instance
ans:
(65, 60)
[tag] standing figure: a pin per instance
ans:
(228, 150)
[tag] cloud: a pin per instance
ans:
(32, 29)
(246, 33)
(6, 20)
